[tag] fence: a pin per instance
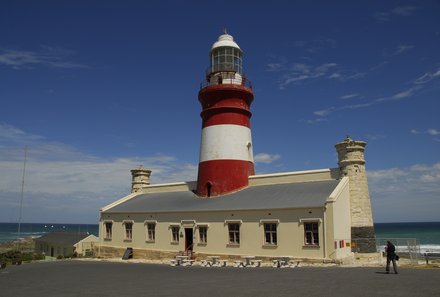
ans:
(408, 248)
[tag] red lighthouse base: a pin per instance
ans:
(219, 177)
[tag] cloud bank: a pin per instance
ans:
(71, 183)
(411, 192)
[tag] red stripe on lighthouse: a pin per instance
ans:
(227, 115)
(218, 177)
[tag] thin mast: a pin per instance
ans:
(22, 192)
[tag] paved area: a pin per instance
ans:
(87, 278)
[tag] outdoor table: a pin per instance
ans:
(283, 261)
(214, 259)
(180, 259)
(248, 260)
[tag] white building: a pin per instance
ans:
(230, 211)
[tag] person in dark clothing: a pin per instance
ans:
(390, 249)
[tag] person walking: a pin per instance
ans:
(390, 250)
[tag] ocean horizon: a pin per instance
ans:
(427, 234)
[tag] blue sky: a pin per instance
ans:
(95, 88)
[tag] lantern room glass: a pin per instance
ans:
(226, 58)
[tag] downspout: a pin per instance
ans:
(325, 232)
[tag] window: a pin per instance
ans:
(270, 233)
(203, 234)
(226, 59)
(234, 233)
(108, 230)
(311, 234)
(151, 231)
(128, 230)
(175, 233)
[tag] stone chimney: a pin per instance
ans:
(352, 164)
(140, 179)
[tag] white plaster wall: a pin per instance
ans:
(86, 244)
(339, 222)
(290, 232)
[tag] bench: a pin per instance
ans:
(239, 263)
(431, 256)
(280, 263)
(256, 263)
(186, 262)
(216, 263)
(293, 264)
(285, 263)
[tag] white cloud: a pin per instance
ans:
(398, 50)
(404, 10)
(11, 133)
(47, 56)
(403, 48)
(349, 96)
(405, 194)
(433, 132)
(427, 77)
(396, 97)
(58, 175)
(317, 120)
(328, 111)
(324, 112)
(266, 158)
(382, 16)
(410, 92)
(300, 71)
(273, 67)
(404, 94)
(418, 178)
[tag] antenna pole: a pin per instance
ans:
(22, 193)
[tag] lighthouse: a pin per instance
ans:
(226, 158)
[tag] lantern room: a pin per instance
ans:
(226, 62)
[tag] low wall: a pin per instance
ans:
(112, 252)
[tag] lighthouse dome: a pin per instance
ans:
(225, 40)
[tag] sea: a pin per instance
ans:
(427, 234)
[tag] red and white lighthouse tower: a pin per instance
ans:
(226, 158)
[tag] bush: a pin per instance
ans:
(11, 257)
(60, 257)
(18, 257)
(38, 257)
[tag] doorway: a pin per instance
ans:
(188, 239)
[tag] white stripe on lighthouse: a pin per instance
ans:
(226, 142)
